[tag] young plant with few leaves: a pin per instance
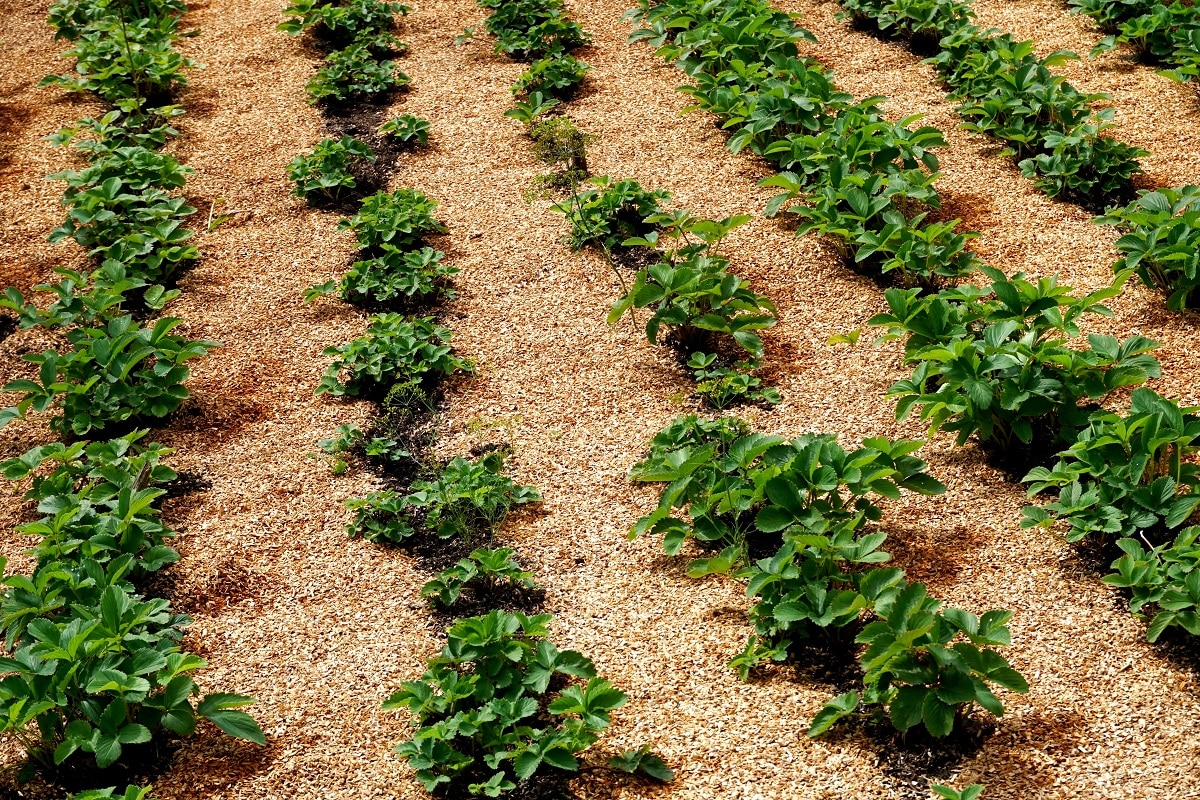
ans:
(326, 173)
(485, 572)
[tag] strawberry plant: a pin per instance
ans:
(1108, 13)
(130, 793)
(1163, 242)
(113, 373)
(103, 675)
(925, 665)
(351, 439)
(466, 500)
(610, 212)
(1128, 474)
(325, 173)
(341, 20)
(725, 486)
(696, 296)
(530, 29)
(99, 503)
(1163, 581)
(486, 714)
(353, 73)
(925, 21)
(125, 59)
(1010, 94)
(812, 584)
(721, 386)
(998, 363)
(557, 75)
(395, 275)
(81, 298)
(399, 219)
(90, 667)
(407, 128)
(532, 107)
(971, 792)
(485, 572)
(395, 350)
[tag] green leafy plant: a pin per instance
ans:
(529, 29)
(1163, 242)
(350, 439)
(395, 275)
(125, 58)
(721, 386)
(341, 20)
(1126, 473)
(400, 219)
(998, 362)
(486, 715)
(395, 350)
(408, 128)
(725, 485)
(98, 505)
(642, 761)
(90, 666)
(466, 500)
(484, 572)
(325, 173)
(532, 107)
(113, 373)
(1163, 581)
(610, 212)
(928, 666)
(130, 793)
(971, 792)
(813, 584)
(353, 72)
(557, 75)
(692, 291)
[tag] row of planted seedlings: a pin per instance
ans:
(794, 518)
(1012, 95)
(1005, 91)
(538, 32)
(95, 682)
(1165, 35)
(1124, 480)
(501, 706)
(999, 363)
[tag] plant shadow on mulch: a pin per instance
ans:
(912, 761)
(139, 764)
(8, 326)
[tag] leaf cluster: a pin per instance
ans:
(810, 500)
(468, 499)
(395, 350)
(488, 709)
(484, 571)
(1130, 474)
(1001, 363)
(1162, 242)
(867, 182)
(114, 372)
(326, 172)
(92, 667)
(610, 212)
